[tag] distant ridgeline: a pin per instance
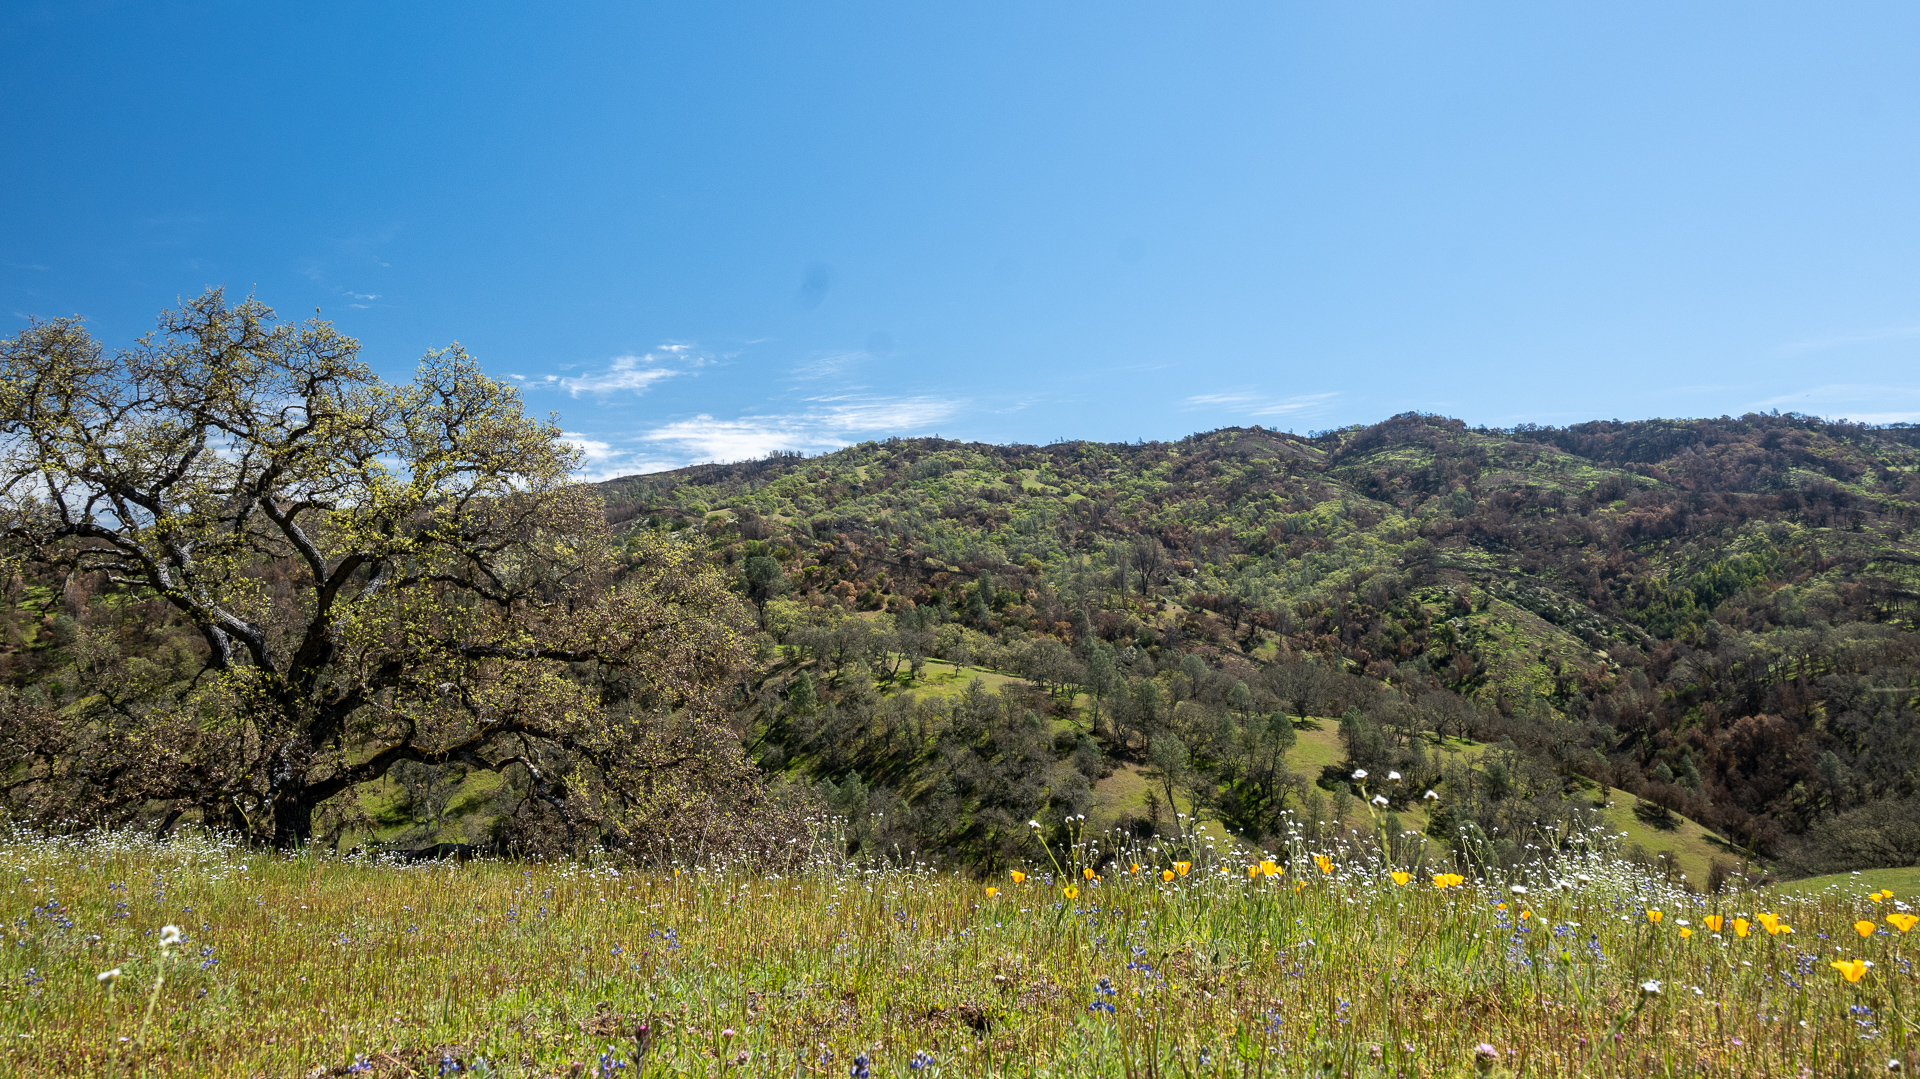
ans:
(1717, 616)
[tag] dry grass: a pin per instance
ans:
(293, 967)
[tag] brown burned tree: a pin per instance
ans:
(375, 573)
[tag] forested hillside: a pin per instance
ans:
(1715, 615)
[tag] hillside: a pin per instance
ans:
(1715, 615)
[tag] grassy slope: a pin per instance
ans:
(1904, 883)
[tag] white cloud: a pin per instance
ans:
(636, 373)
(1852, 401)
(832, 422)
(1844, 340)
(1251, 404)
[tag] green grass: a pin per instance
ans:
(296, 966)
(1690, 846)
(1902, 882)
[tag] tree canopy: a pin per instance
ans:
(375, 574)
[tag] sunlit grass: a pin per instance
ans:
(289, 965)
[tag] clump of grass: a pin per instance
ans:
(1106, 958)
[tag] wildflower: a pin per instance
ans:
(1518, 889)
(1253, 871)
(1893, 1064)
(860, 1069)
(169, 936)
(1359, 773)
(1850, 969)
(1685, 933)
(1324, 862)
(108, 977)
(1583, 878)
(1033, 824)
(1017, 876)
(1431, 796)
(1269, 867)
(1715, 921)
(1443, 881)
(1740, 926)
(1903, 922)
(727, 1034)
(1654, 916)
(1089, 874)
(1485, 1057)
(1135, 868)
(1525, 914)
(1167, 875)
(1651, 987)
(1183, 868)
(1379, 799)
(1395, 776)
(921, 1059)
(1070, 892)
(1865, 929)
(992, 891)
(1400, 878)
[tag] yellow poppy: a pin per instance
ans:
(1525, 914)
(1400, 878)
(1166, 875)
(1740, 927)
(1070, 892)
(1183, 868)
(1767, 921)
(1018, 876)
(1685, 932)
(1325, 863)
(1089, 874)
(1715, 921)
(1269, 867)
(1135, 868)
(991, 892)
(1654, 916)
(1865, 929)
(1850, 969)
(1903, 922)
(1500, 906)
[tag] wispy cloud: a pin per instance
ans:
(1843, 340)
(830, 422)
(1252, 404)
(1853, 401)
(635, 373)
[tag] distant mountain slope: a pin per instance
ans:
(1716, 614)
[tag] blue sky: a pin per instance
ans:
(706, 231)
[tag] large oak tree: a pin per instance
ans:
(377, 573)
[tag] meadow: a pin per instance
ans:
(1103, 957)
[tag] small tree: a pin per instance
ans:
(376, 573)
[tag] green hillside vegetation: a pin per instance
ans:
(946, 641)
(1716, 617)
